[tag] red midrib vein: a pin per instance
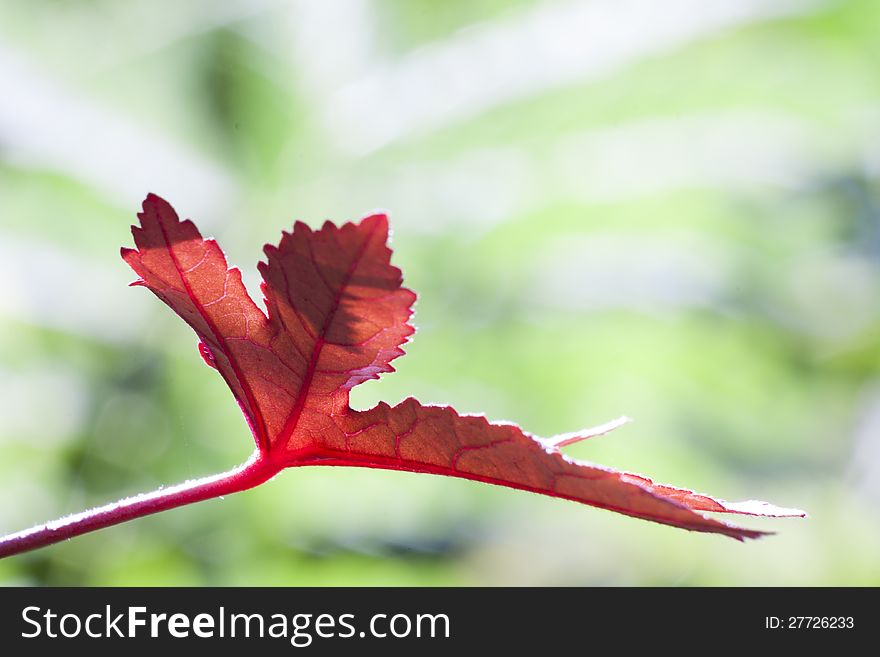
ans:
(262, 435)
(298, 406)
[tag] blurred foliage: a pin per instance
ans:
(669, 211)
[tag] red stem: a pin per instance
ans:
(253, 472)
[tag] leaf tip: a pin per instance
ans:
(378, 217)
(561, 440)
(376, 222)
(153, 201)
(760, 508)
(750, 534)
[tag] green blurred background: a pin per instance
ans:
(666, 210)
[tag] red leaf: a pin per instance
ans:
(337, 316)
